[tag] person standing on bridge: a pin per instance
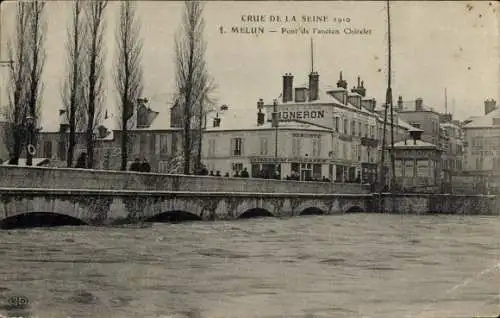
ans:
(244, 173)
(136, 165)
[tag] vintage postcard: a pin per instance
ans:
(245, 159)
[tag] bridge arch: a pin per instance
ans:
(312, 207)
(255, 213)
(173, 216)
(39, 219)
(354, 209)
(312, 211)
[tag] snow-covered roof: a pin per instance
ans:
(410, 143)
(485, 121)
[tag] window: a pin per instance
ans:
(353, 128)
(47, 149)
(296, 145)
(346, 126)
(236, 146)
(164, 144)
(359, 129)
(62, 150)
(263, 146)
(366, 130)
(316, 147)
(316, 171)
(345, 155)
(337, 123)
(211, 148)
(237, 167)
(143, 143)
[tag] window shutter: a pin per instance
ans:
(232, 146)
(242, 146)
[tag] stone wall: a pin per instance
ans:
(443, 204)
(61, 178)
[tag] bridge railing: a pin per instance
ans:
(63, 178)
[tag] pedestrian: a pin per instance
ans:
(81, 162)
(136, 165)
(244, 173)
(145, 167)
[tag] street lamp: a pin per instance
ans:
(30, 148)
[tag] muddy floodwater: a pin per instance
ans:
(357, 265)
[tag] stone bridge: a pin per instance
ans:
(108, 207)
(78, 196)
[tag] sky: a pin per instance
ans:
(436, 45)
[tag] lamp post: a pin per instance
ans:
(30, 148)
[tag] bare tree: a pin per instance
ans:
(72, 91)
(206, 104)
(191, 75)
(28, 56)
(128, 71)
(94, 49)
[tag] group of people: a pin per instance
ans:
(140, 166)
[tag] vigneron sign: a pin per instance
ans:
(302, 114)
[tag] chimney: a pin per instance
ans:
(359, 88)
(300, 94)
(260, 114)
(419, 104)
(313, 86)
(341, 83)
(489, 106)
(287, 93)
(400, 102)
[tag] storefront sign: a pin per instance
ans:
(306, 114)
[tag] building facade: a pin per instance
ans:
(310, 133)
(149, 138)
(482, 142)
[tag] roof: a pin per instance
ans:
(485, 121)
(410, 106)
(410, 143)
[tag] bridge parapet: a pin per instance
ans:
(62, 178)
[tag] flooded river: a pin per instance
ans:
(356, 265)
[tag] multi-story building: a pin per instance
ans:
(482, 142)
(310, 133)
(422, 117)
(149, 138)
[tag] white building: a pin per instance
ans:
(317, 133)
(482, 142)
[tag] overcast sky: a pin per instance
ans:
(436, 45)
